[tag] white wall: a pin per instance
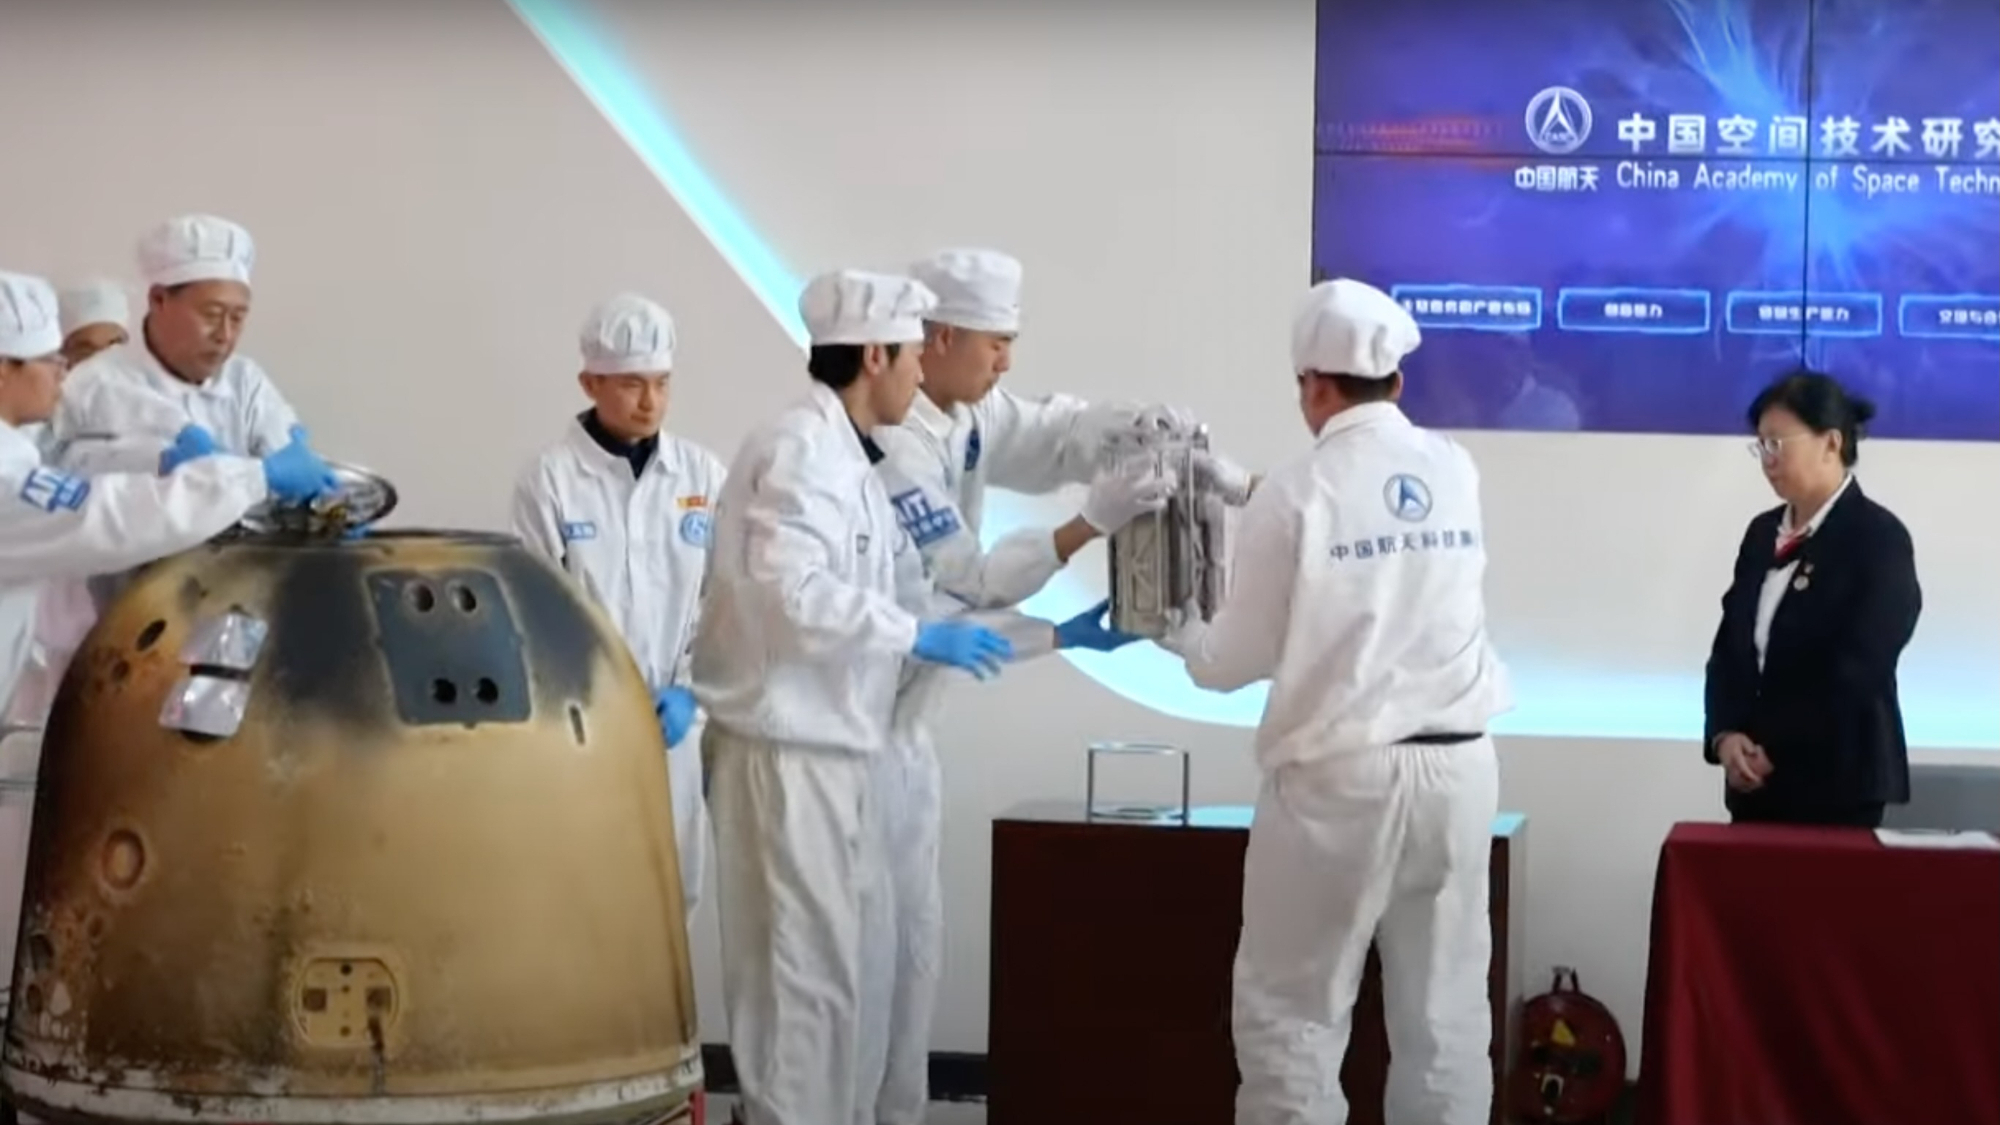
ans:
(436, 204)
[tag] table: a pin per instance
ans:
(1810, 976)
(1112, 946)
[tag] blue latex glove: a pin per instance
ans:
(1088, 630)
(296, 474)
(675, 707)
(191, 443)
(961, 644)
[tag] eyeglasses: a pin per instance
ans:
(1771, 448)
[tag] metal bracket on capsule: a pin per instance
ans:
(220, 653)
(231, 641)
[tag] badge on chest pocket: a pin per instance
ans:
(695, 529)
(576, 531)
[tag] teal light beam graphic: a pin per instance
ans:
(586, 51)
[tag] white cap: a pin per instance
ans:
(95, 302)
(627, 335)
(1351, 328)
(976, 289)
(193, 248)
(857, 307)
(29, 328)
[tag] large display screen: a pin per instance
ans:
(1628, 217)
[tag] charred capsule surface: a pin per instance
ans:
(322, 823)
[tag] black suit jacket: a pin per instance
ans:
(1824, 708)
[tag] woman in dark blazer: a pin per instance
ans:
(1801, 694)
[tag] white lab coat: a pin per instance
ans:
(42, 437)
(797, 660)
(63, 614)
(1356, 589)
(125, 396)
(120, 410)
(940, 463)
(54, 525)
(936, 467)
(639, 549)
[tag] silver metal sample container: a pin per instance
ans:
(1174, 559)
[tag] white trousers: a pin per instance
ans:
(798, 889)
(905, 961)
(684, 775)
(1392, 846)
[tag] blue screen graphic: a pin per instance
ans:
(1628, 217)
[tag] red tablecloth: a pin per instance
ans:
(1806, 976)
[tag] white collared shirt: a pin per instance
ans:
(1356, 589)
(802, 637)
(937, 465)
(55, 526)
(637, 545)
(124, 396)
(121, 409)
(1779, 579)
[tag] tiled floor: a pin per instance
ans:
(942, 1113)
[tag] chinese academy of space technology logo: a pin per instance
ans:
(1558, 120)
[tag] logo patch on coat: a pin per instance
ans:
(52, 491)
(924, 522)
(695, 529)
(575, 530)
(1408, 498)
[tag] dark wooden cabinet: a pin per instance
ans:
(1112, 943)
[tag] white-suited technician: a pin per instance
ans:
(1357, 591)
(624, 508)
(96, 316)
(963, 433)
(804, 632)
(127, 403)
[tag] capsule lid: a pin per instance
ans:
(363, 498)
